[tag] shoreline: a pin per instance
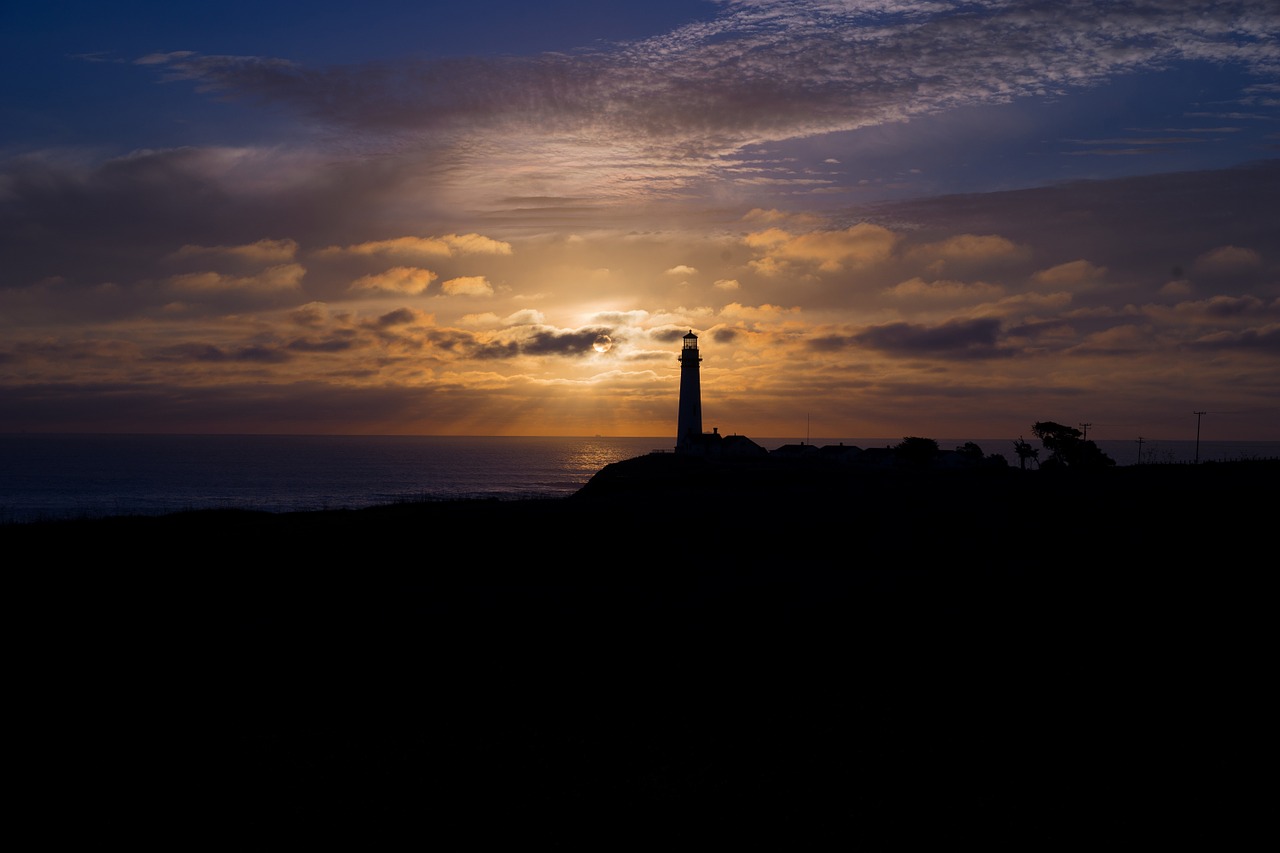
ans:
(770, 485)
(159, 475)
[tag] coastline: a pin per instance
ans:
(1124, 505)
(85, 476)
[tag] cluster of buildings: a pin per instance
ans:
(692, 441)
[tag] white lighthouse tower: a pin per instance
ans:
(689, 423)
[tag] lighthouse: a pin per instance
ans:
(689, 422)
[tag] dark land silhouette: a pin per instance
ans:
(688, 653)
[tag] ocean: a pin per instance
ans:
(88, 476)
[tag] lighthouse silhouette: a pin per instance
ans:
(690, 439)
(689, 422)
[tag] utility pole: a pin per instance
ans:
(1139, 450)
(1086, 431)
(1198, 414)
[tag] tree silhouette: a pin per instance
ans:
(917, 452)
(1067, 448)
(1025, 451)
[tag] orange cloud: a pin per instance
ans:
(830, 251)
(432, 247)
(412, 281)
(281, 277)
(738, 311)
(467, 285)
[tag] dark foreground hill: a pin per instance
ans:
(684, 655)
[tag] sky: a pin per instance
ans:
(880, 217)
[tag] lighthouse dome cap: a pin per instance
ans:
(691, 334)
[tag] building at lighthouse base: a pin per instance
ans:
(713, 445)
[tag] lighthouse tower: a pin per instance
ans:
(689, 423)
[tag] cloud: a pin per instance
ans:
(726, 284)
(447, 246)
(197, 353)
(758, 313)
(411, 281)
(622, 318)
(675, 103)
(1121, 339)
(311, 314)
(954, 339)
(681, 269)
(768, 267)
(171, 57)
(467, 285)
(1228, 259)
(521, 341)
(62, 351)
(941, 290)
(337, 342)
(1218, 309)
(1235, 306)
(115, 221)
(399, 317)
(263, 251)
(1079, 273)
(562, 341)
(486, 318)
(762, 215)
(277, 278)
(1265, 339)
(984, 53)
(1176, 287)
(830, 251)
(526, 317)
(476, 244)
(970, 247)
